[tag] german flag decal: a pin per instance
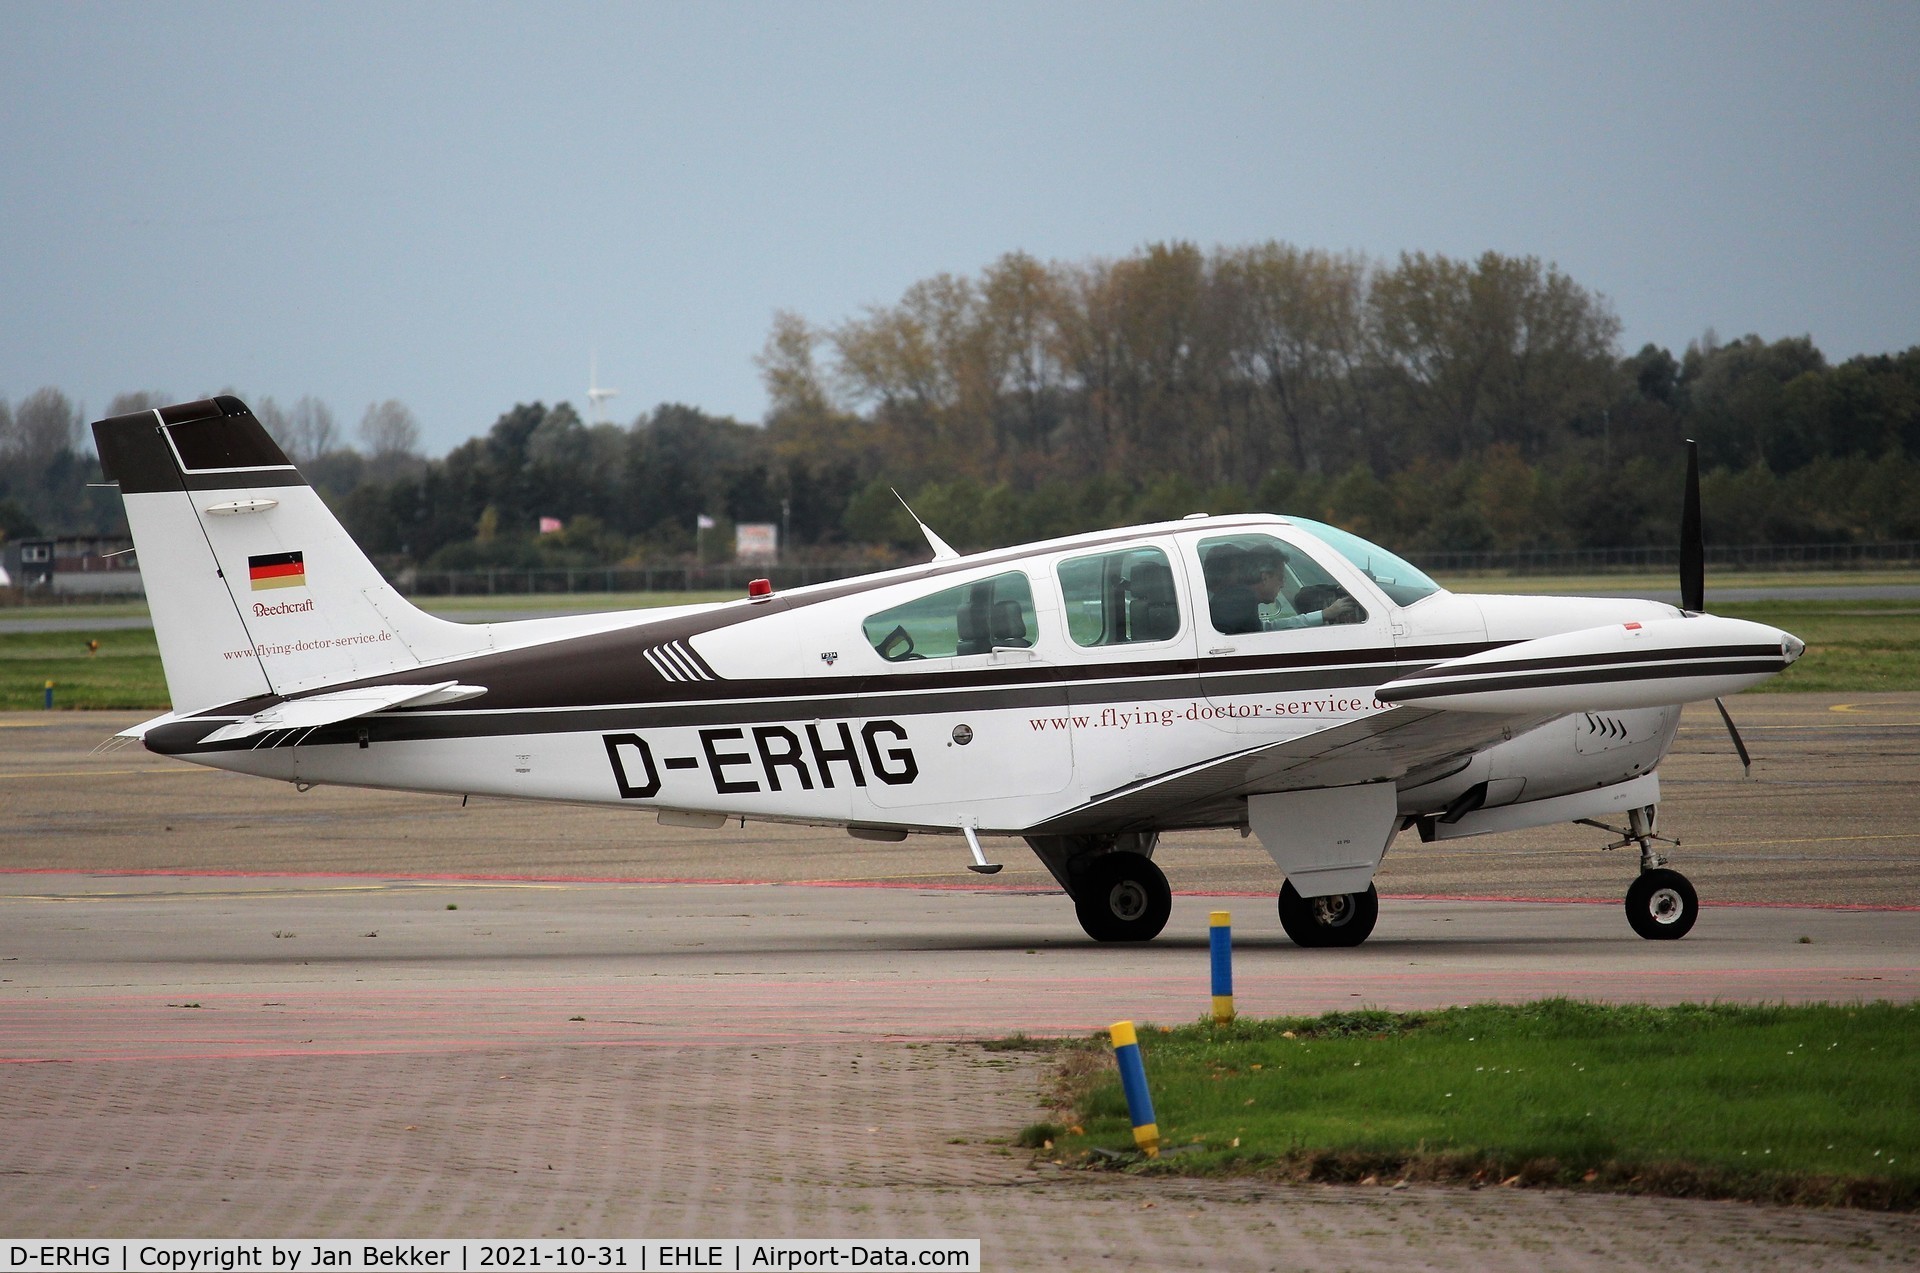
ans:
(277, 570)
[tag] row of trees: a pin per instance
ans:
(1226, 367)
(1435, 403)
(1221, 367)
(49, 477)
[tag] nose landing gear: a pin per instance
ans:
(1661, 903)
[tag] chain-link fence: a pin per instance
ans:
(1567, 561)
(734, 578)
(590, 579)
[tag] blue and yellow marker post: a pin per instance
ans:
(1220, 939)
(1133, 1081)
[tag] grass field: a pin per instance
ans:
(535, 604)
(1808, 1104)
(125, 673)
(1851, 646)
(1646, 583)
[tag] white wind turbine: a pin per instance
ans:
(596, 396)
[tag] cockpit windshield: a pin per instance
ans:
(1403, 583)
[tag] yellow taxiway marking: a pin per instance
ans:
(1426, 852)
(1706, 728)
(1812, 839)
(24, 724)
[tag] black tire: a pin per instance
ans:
(1661, 905)
(1122, 897)
(1344, 919)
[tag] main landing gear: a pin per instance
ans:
(1661, 903)
(1118, 893)
(1123, 897)
(1344, 919)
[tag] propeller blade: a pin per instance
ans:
(1693, 548)
(1746, 761)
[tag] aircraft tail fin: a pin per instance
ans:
(254, 586)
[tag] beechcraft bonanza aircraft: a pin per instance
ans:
(1265, 673)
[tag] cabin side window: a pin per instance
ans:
(1255, 583)
(1120, 598)
(974, 618)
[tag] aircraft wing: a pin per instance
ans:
(1447, 711)
(1384, 747)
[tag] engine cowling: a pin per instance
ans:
(1613, 667)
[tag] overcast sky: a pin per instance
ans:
(452, 204)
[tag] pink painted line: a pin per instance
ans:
(1034, 890)
(1611, 901)
(508, 1045)
(912, 991)
(476, 878)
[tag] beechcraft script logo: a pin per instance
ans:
(277, 570)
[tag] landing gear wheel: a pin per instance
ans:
(1344, 919)
(1661, 905)
(1122, 897)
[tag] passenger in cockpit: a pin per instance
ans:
(1230, 598)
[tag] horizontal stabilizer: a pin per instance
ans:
(1615, 667)
(135, 733)
(331, 709)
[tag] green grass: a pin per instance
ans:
(78, 610)
(124, 674)
(1668, 580)
(1851, 645)
(1814, 1104)
(536, 604)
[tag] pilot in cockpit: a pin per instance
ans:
(1267, 572)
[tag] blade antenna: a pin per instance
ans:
(942, 551)
(1746, 761)
(1693, 548)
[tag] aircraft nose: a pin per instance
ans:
(1792, 647)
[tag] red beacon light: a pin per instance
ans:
(759, 589)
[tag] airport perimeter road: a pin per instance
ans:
(512, 1020)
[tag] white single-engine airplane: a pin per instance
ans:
(1265, 673)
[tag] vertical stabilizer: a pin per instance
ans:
(254, 586)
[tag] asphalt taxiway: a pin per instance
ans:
(231, 1008)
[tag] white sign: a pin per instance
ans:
(756, 542)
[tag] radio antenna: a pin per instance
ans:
(942, 551)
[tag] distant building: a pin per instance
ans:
(74, 565)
